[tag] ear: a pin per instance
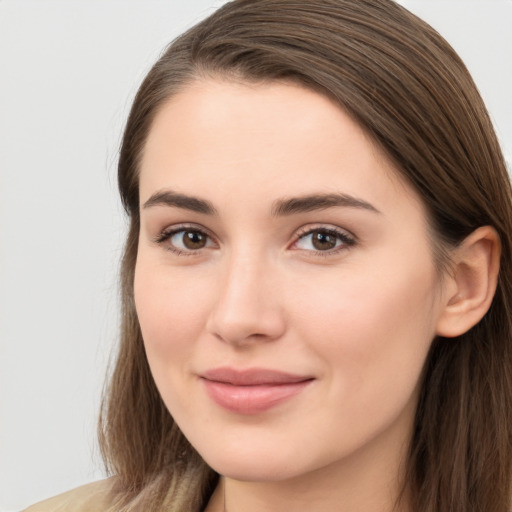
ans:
(471, 285)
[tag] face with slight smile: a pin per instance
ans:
(285, 284)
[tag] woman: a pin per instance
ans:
(316, 281)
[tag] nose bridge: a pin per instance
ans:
(247, 304)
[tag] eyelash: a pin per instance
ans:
(347, 239)
(168, 233)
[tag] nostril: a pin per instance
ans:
(241, 328)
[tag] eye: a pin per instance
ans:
(185, 240)
(325, 240)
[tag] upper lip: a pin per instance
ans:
(252, 376)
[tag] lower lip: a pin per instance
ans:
(252, 399)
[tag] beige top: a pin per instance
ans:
(87, 498)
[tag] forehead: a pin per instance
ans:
(271, 139)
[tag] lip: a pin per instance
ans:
(253, 390)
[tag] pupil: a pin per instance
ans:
(323, 241)
(194, 240)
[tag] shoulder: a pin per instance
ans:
(94, 497)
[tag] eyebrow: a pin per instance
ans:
(280, 207)
(310, 203)
(170, 198)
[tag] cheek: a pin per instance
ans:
(373, 329)
(170, 309)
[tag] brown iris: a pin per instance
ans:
(323, 240)
(194, 240)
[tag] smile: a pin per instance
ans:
(252, 391)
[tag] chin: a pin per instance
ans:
(255, 471)
(256, 465)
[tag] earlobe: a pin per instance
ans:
(472, 282)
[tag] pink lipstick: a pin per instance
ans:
(253, 390)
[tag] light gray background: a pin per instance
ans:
(68, 71)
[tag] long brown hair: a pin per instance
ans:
(407, 88)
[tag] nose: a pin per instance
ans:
(247, 308)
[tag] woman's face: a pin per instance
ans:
(284, 284)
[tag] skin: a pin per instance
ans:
(358, 318)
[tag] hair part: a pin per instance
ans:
(411, 93)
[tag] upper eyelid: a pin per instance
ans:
(176, 228)
(314, 226)
(308, 229)
(166, 233)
